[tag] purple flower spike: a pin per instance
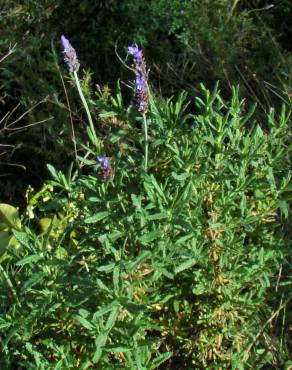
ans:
(104, 162)
(70, 56)
(135, 51)
(141, 86)
(106, 169)
(140, 83)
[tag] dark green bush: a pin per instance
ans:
(206, 40)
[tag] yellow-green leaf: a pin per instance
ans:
(9, 216)
(45, 223)
(4, 241)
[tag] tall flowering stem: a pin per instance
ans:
(70, 58)
(146, 140)
(96, 141)
(141, 90)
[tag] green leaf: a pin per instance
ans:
(45, 223)
(21, 238)
(181, 177)
(30, 259)
(84, 313)
(144, 255)
(259, 194)
(112, 317)
(102, 311)
(134, 308)
(86, 161)
(85, 323)
(106, 268)
(116, 348)
(9, 216)
(157, 216)
(288, 365)
(116, 279)
(97, 217)
(159, 360)
(35, 279)
(54, 173)
(158, 188)
(283, 207)
(4, 325)
(108, 114)
(102, 286)
(176, 305)
(147, 238)
(185, 265)
(99, 343)
(4, 241)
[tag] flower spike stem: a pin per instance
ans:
(97, 142)
(146, 140)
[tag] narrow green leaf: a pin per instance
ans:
(160, 360)
(157, 216)
(4, 241)
(54, 173)
(107, 114)
(143, 256)
(21, 238)
(97, 217)
(106, 268)
(102, 311)
(147, 238)
(116, 279)
(85, 323)
(99, 343)
(9, 216)
(185, 265)
(112, 318)
(30, 259)
(158, 188)
(35, 279)
(116, 348)
(84, 313)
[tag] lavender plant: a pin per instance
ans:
(171, 266)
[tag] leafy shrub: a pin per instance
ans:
(181, 259)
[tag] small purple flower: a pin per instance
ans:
(140, 83)
(104, 162)
(70, 56)
(106, 169)
(135, 51)
(141, 86)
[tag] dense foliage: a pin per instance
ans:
(162, 239)
(178, 261)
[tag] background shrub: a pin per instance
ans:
(186, 42)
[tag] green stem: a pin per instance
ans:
(9, 283)
(84, 102)
(146, 140)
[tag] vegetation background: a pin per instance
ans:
(246, 46)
